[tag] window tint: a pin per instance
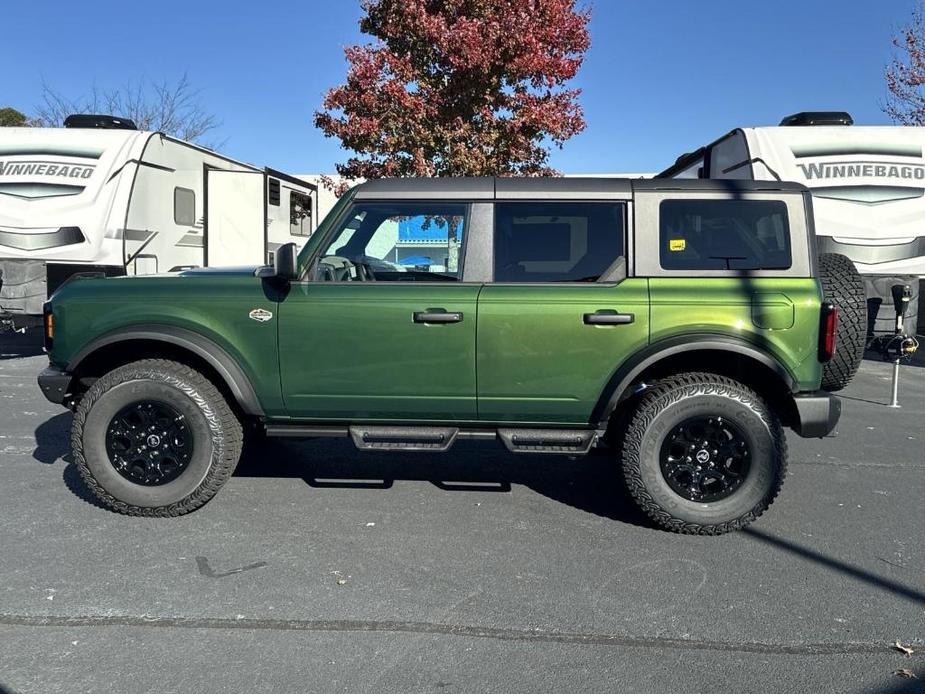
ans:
(184, 206)
(724, 235)
(402, 242)
(556, 242)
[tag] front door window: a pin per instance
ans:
(396, 242)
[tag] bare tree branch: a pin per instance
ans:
(171, 108)
(905, 75)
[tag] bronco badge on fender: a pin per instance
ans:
(260, 315)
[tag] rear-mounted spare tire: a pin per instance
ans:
(844, 287)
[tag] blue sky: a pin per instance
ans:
(661, 77)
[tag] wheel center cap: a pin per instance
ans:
(703, 456)
(154, 441)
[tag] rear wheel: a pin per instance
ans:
(844, 287)
(155, 438)
(702, 454)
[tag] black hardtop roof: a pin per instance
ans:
(578, 188)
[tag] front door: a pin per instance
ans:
(560, 316)
(383, 328)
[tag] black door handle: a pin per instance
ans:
(609, 318)
(437, 317)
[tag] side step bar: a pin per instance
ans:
(436, 439)
(440, 439)
(568, 441)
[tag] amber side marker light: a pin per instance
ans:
(49, 328)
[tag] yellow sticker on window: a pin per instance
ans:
(677, 244)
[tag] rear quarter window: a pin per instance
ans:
(724, 235)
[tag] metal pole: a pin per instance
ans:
(894, 401)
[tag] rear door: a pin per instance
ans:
(561, 314)
(235, 220)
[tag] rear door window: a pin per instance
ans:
(557, 241)
(724, 235)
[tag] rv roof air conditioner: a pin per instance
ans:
(819, 118)
(87, 120)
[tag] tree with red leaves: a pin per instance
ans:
(905, 75)
(459, 88)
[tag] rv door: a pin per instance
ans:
(235, 223)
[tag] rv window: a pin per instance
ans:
(273, 192)
(728, 158)
(300, 214)
(724, 235)
(184, 207)
(694, 170)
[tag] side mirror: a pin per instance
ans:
(286, 262)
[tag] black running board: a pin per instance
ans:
(437, 439)
(567, 441)
(387, 438)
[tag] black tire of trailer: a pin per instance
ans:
(843, 286)
(213, 427)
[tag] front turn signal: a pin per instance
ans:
(49, 327)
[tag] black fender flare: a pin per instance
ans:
(226, 367)
(618, 386)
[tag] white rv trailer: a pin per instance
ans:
(123, 201)
(867, 182)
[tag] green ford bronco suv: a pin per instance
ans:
(676, 326)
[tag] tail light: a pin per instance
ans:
(827, 331)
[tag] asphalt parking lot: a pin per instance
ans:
(321, 569)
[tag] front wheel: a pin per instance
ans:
(155, 438)
(702, 454)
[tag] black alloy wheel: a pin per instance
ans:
(149, 443)
(705, 459)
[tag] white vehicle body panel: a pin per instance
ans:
(233, 218)
(868, 185)
(52, 178)
(138, 200)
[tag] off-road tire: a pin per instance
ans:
(844, 287)
(216, 433)
(669, 403)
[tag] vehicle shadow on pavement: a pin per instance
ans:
(16, 346)
(52, 443)
(591, 484)
(52, 439)
(909, 593)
